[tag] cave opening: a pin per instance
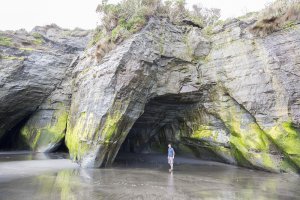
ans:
(159, 125)
(14, 141)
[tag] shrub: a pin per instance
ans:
(277, 15)
(208, 16)
(119, 21)
(96, 37)
(277, 8)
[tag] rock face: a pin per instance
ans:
(227, 96)
(260, 100)
(35, 80)
(110, 96)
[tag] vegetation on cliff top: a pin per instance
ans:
(277, 15)
(121, 20)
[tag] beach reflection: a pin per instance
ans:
(188, 181)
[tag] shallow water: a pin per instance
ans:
(138, 177)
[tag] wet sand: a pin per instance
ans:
(141, 177)
(17, 165)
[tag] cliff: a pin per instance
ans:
(223, 94)
(35, 83)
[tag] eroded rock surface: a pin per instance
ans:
(110, 96)
(35, 78)
(234, 96)
(225, 95)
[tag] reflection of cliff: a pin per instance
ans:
(207, 180)
(69, 184)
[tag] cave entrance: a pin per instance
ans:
(14, 141)
(159, 125)
(11, 141)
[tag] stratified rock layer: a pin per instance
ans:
(229, 93)
(110, 96)
(225, 95)
(35, 78)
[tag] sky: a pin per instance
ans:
(17, 14)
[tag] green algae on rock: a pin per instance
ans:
(47, 135)
(287, 137)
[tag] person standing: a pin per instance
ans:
(171, 155)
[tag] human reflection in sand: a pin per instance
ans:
(205, 180)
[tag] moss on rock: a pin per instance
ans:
(111, 126)
(276, 149)
(250, 145)
(38, 39)
(78, 139)
(287, 137)
(5, 41)
(46, 137)
(75, 142)
(21, 58)
(203, 132)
